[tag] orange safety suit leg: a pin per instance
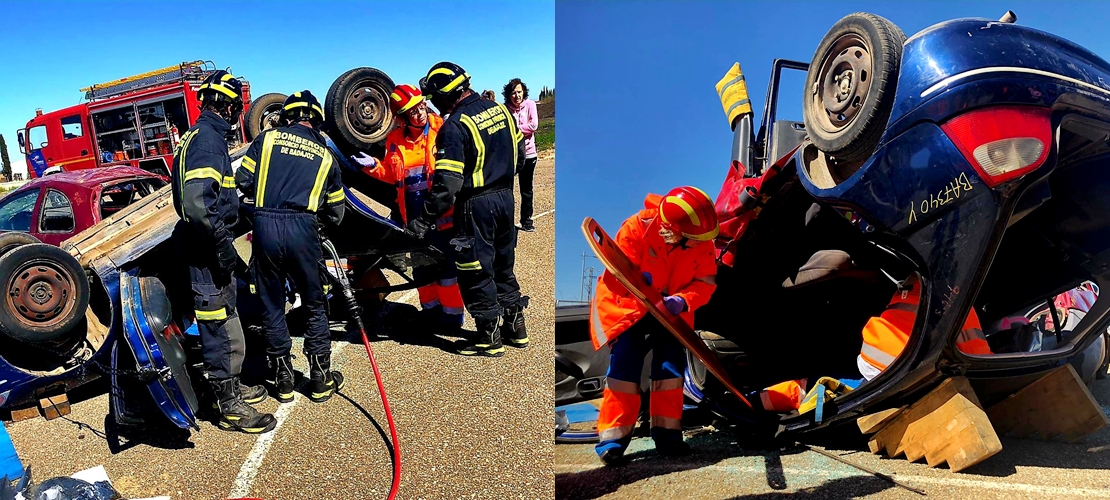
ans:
(450, 297)
(620, 405)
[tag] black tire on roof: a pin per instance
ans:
(356, 109)
(45, 294)
(263, 114)
(849, 91)
(15, 239)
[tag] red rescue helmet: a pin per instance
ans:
(689, 211)
(404, 98)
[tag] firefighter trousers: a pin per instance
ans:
(620, 404)
(286, 245)
(222, 342)
(486, 253)
(443, 292)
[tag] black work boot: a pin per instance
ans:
(252, 394)
(487, 342)
(323, 381)
(513, 332)
(283, 377)
(237, 415)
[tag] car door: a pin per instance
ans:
(158, 347)
(55, 222)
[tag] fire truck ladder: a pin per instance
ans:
(195, 70)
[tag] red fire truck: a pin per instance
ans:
(134, 121)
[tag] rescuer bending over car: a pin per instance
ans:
(294, 182)
(204, 197)
(408, 164)
(671, 243)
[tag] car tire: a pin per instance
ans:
(1101, 373)
(356, 109)
(11, 241)
(846, 120)
(45, 292)
(263, 114)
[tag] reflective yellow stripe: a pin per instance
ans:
(335, 197)
(263, 170)
(211, 315)
(229, 182)
(469, 266)
(182, 153)
(441, 71)
(249, 164)
(478, 178)
(454, 83)
(204, 173)
(318, 187)
(450, 166)
(221, 89)
(517, 134)
(302, 104)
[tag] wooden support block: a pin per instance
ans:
(889, 439)
(948, 425)
(54, 406)
(872, 423)
(1057, 404)
(25, 413)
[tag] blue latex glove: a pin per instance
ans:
(674, 304)
(647, 278)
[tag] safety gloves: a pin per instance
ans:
(419, 227)
(364, 160)
(674, 304)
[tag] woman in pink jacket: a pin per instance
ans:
(524, 109)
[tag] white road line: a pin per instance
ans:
(249, 471)
(944, 481)
(543, 214)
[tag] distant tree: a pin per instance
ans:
(4, 161)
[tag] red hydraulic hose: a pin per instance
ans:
(352, 304)
(388, 415)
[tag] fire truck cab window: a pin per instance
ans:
(117, 134)
(57, 213)
(15, 211)
(71, 127)
(158, 119)
(37, 136)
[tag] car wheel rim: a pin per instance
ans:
(270, 116)
(41, 294)
(367, 110)
(842, 84)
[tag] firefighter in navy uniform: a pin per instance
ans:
(476, 154)
(294, 182)
(204, 197)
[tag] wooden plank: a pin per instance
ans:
(54, 406)
(889, 438)
(25, 413)
(870, 424)
(1055, 405)
(948, 425)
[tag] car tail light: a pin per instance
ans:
(1002, 143)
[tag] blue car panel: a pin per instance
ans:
(157, 348)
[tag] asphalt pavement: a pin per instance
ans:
(469, 427)
(722, 468)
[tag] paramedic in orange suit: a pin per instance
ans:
(671, 243)
(408, 164)
(884, 338)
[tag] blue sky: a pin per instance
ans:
(51, 49)
(638, 111)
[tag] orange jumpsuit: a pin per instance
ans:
(683, 271)
(408, 164)
(884, 338)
